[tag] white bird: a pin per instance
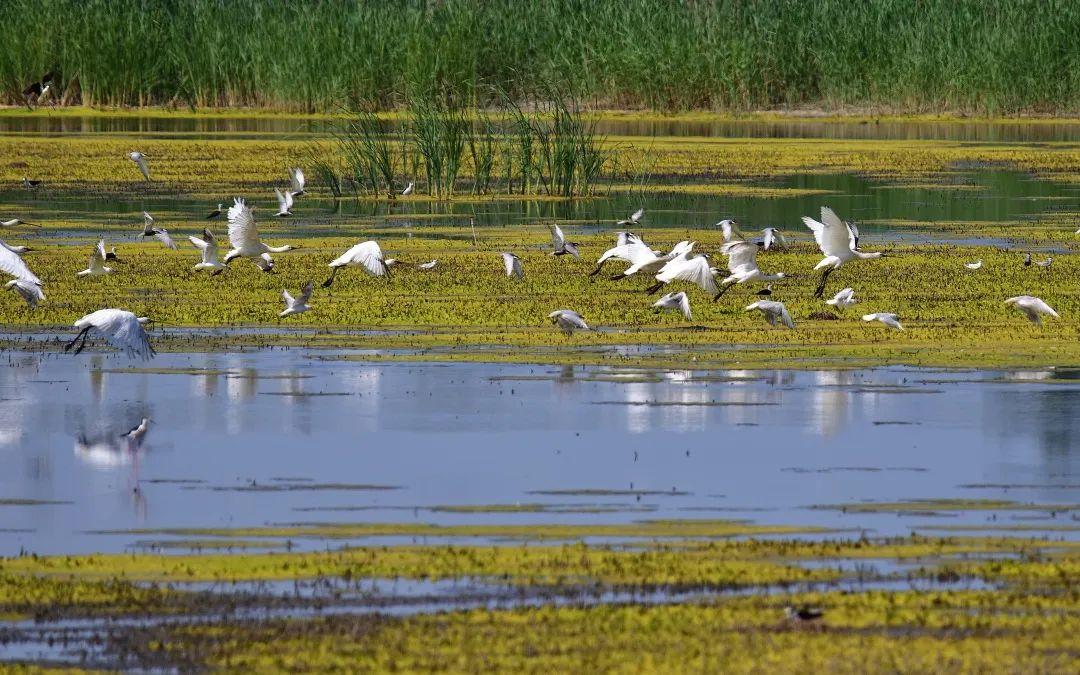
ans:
(285, 202)
(974, 265)
(367, 255)
(430, 265)
(137, 433)
(562, 247)
(634, 218)
(628, 248)
(887, 318)
(1033, 308)
(838, 241)
(408, 189)
(512, 263)
(208, 248)
(28, 290)
(742, 263)
(729, 229)
(12, 264)
(159, 233)
(626, 237)
(97, 262)
(244, 237)
(678, 301)
(774, 312)
(215, 213)
(696, 270)
(1045, 264)
(568, 320)
(15, 221)
(17, 250)
(121, 329)
(774, 238)
(843, 299)
(296, 179)
(297, 305)
(140, 161)
(648, 261)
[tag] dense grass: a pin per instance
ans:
(901, 54)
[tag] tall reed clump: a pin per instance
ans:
(906, 55)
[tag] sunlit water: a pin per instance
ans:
(757, 445)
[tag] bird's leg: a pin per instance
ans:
(82, 345)
(654, 288)
(723, 289)
(821, 284)
(333, 273)
(71, 344)
(618, 277)
(597, 270)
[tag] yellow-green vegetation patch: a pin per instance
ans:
(24, 595)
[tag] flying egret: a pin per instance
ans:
(208, 248)
(215, 213)
(297, 305)
(730, 230)
(774, 238)
(140, 161)
(696, 270)
(650, 262)
(628, 248)
(1033, 308)
(774, 312)
(634, 218)
(512, 263)
(974, 265)
(742, 263)
(296, 180)
(843, 299)
(159, 233)
(1045, 264)
(18, 250)
(28, 290)
(244, 237)
(568, 320)
(430, 265)
(285, 202)
(15, 221)
(97, 262)
(889, 319)
(558, 240)
(367, 255)
(12, 264)
(120, 328)
(408, 189)
(678, 301)
(839, 241)
(30, 184)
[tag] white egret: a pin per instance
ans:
(568, 320)
(696, 270)
(774, 238)
(96, 267)
(12, 264)
(120, 328)
(512, 263)
(974, 265)
(285, 202)
(215, 213)
(742, 263)
(730, 230)
(843, 299)
(297, 305)
(430, 265)
(634, 218)
(628, 248)
(367, 255)
(28, 290)
(647, 261)
(558, 240)
(839, 241)
(159, 233)
(244, 237)
(679, 301)
(208, 248)
(1031, 307)
(18, 249)
(889, 319)
(15, 221)
(408, 189)
(140, 161)
(774, 312)
(296, 180)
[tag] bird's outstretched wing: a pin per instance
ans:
(162, 235)
(741, 255)
(637, 215)
(11, 263)
(557, 238)
(833, 235)
(288, 298)
(296, 179)
(513, 265)
(306, 291)
(695, 270)
(369, 256)
(123, 331)
(243, 233)
(29, 291)
(284, 200)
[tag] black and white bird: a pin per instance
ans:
(297, 305)
(562, 247)
(215, 213)
(296, 181)
(366, 255)
(140, 161)
(30, 184)
(730, 230)
(742, 264)
(97, 267)
(803, 614)
(678, 301)
(1031, 307)
(568, 320)
(634, 219)
(159, 233)
(408, 189)
(285, 203)
(37, 92)
(1027, 260)
(512, 264)
(244, 237)
(137, 433)
(888, 318)
(119, 328)
(773, 238)
(838, 241)
(208, 250)
(775, 312)
(843, 299)
(765, 292)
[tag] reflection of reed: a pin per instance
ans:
(829, 401)
(97, 378)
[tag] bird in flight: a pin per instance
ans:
(119, 328)
(838, 241)
(678, 301)
(299, 304)
(775, 312)
(568, 320)
(1031, 307)
(244, 237)
(634, 218)
(366, 255)
(512, 263)
(296, 181)
(140, 161)
(159, 233)
(889, 319)
(562, 247)
(208, 249)
(96, 267)
(285, 202)
(843, 299)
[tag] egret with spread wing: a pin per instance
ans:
(297, 305)
(838, 241)
(120, 328)
(366, 255)
(244, 237)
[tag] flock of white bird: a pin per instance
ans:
(837, 239)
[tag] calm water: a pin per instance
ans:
(758, 445)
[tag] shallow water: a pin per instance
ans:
(256, 438)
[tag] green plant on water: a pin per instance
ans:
(440, 128)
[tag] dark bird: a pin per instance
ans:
(30, 184)
(803, 614)
(215, 213)
(765, 292)
(38, 91)
(1027, 260)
